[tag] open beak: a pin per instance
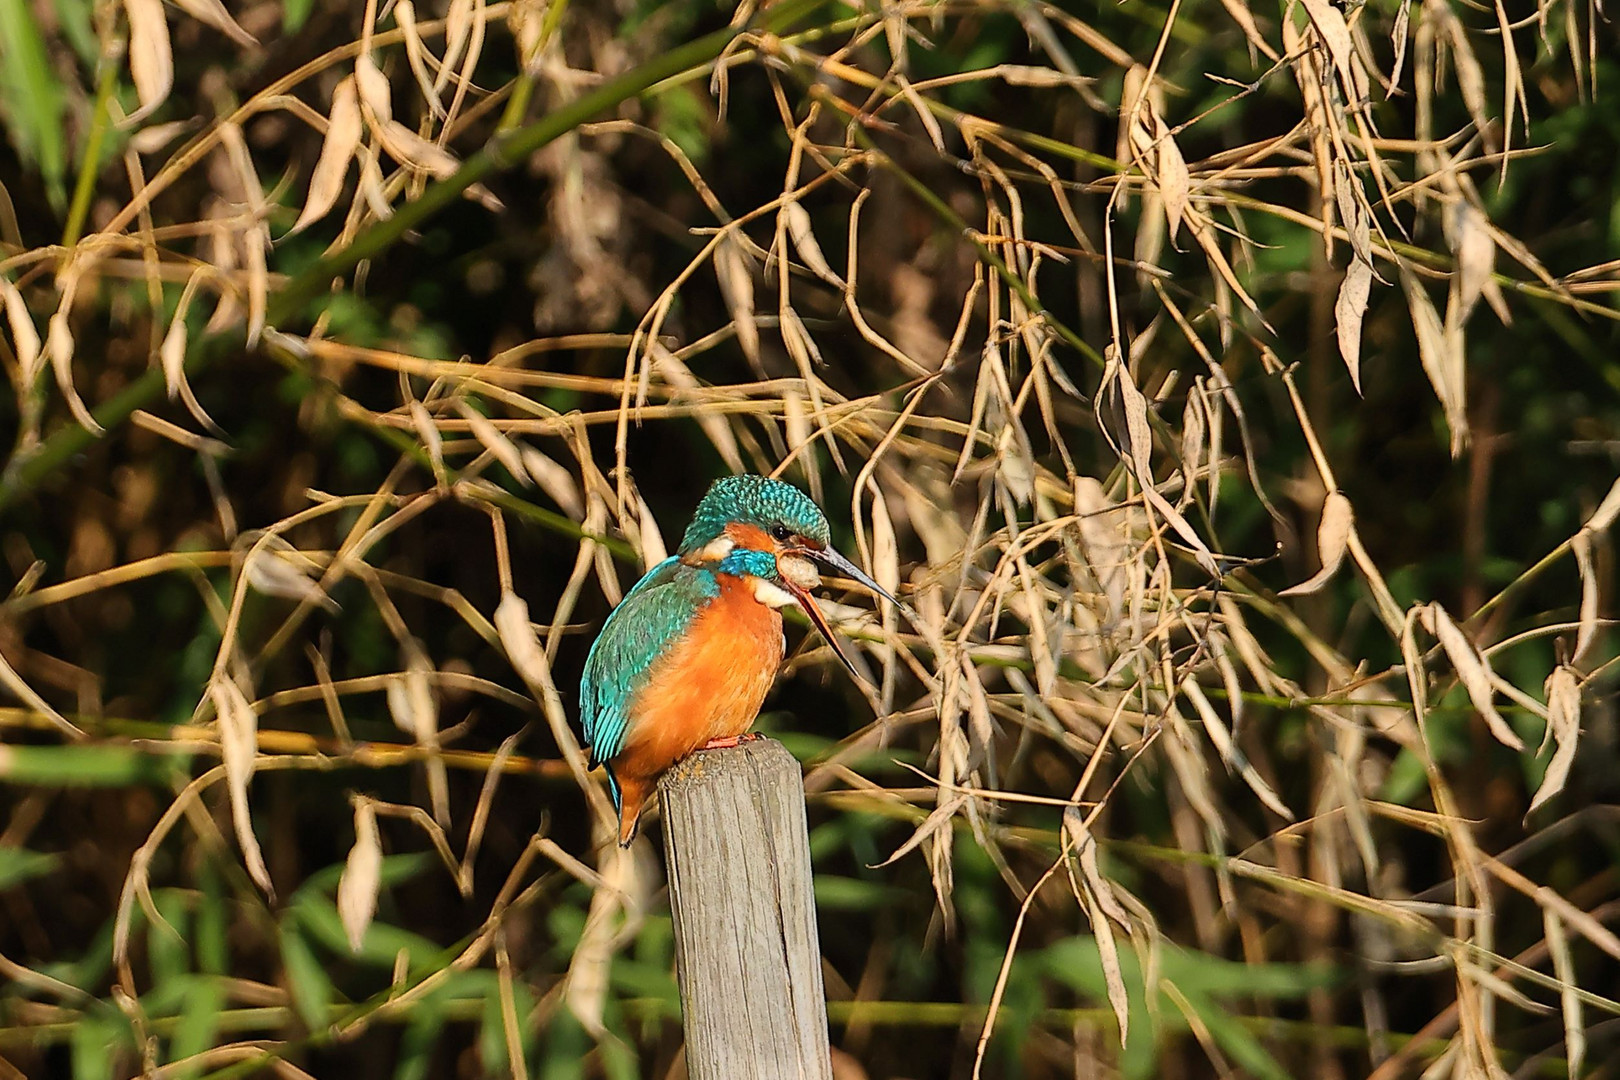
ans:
(834, 561)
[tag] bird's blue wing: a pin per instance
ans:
(652, 615)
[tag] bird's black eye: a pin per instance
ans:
(780, 532)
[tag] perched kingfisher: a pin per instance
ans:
(685, 660)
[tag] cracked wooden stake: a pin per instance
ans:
(746, 950)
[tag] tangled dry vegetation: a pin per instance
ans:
(1238, 733)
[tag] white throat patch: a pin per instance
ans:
(716, 549)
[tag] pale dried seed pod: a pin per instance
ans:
(343, 131)
(362, 875)
(151, 58)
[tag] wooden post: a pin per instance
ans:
(746, 951)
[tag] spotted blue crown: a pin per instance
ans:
(754, 500)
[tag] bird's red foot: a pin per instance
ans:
(730, 741)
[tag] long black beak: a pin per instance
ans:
(830, 558)
(833, 560)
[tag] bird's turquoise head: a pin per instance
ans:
(774, 507)
(754, 527)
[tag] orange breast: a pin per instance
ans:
(710, 686)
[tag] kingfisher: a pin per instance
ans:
(684, 662)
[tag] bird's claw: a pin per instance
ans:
(731, 741)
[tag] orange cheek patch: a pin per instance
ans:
(750, 536)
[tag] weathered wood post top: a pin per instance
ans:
(746, 950)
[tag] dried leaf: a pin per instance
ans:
(938, 818)
(800, 345)
(585, 990)
(373, 185)
(24, 335)
(239, 743)
(458, 25)
(1476, 256)
(376, 97)
(428, 432)
(1348, 311)
(1102, 539)
(151, 60)
(1398, 38)
(1044, 78)
(255, 238)
(736, 280)
(1097, 894)
(519, 640)
(1193, 436)
(1335, 34)
(285, 574)
(30, 697)
(1586, 633)
(1139, 450)
(1234, 758)
(1332, 541)
(213, 13)
(149, 140)
(555, 480)
(224, 260)
(1470, 75)
(1353, 213)
(416, 53)
(172, 355)
(362, 875)
(59, 347)
(1472, 668)
(343, 131)
(1569, 990)
(719, 433)
(653, 550)
(493, 440)
(804, 241)
(1158, 153)
(1442, 360)
(415, 711)
(885, 547)
(408, 148)
(1563, 690)
(1607, 510)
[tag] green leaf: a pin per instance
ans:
(835, 893)
(74, 21)
(166, 945)
(202, 1000)
(566, 1047)
(382, 943)
(92, 964)
(656, 982)
(395, 870)
(213, 920)
(86, 766)
(312, 990)
(619, 1060)
(1195, 972)
(492, 1037)
(1232, 1037)
(416, 1042)
(32, 98)
(17, 865)
(97, 1040)
(294, 13)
